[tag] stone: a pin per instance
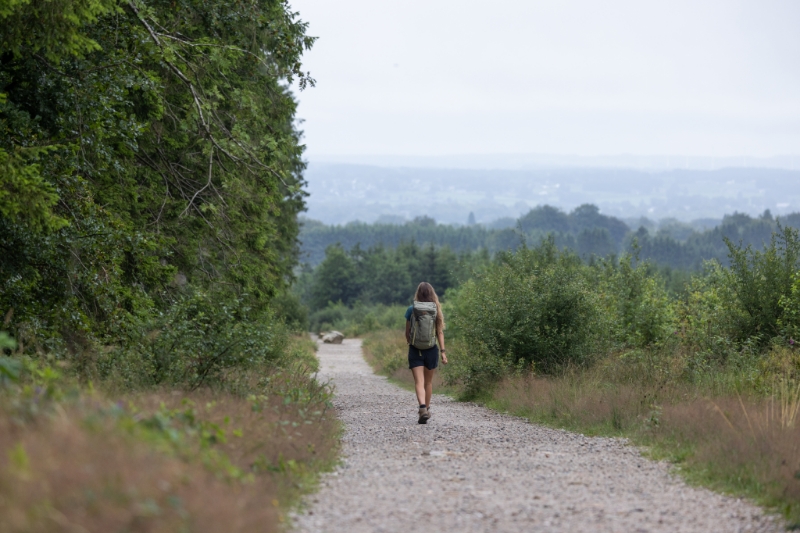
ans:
(333, 337)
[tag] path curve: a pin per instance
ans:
(472, 469)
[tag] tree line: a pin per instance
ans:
(383, 275)
(584, 231)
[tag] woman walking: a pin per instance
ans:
(424, 327)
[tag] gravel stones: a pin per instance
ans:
(470, 469)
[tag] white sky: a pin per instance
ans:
(585, 77)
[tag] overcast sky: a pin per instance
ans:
(440, 77)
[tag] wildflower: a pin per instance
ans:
(791, 342)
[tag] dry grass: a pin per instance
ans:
(171, 461)
(739, 445)
(254, 434)
(745, 445)
(59, 475)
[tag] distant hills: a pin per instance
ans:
(341, 193)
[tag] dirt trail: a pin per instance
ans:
(472, 469)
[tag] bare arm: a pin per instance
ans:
(408, 332)
(440, 335)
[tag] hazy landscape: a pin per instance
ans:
(341, 193)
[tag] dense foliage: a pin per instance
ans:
(381, 275)
(643, 275)
(545, 309)
(149, 157)
(536, 308)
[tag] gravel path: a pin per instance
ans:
(472, 469)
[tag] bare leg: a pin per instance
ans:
(419, 384)
(428, 374)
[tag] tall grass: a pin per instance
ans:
(787, 398)
(230, 458)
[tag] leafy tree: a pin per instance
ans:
(545, 218)
(334, 279)
(584, 231)
(587, 216)
(533, 308)
(145, 145)
(595, 242)
(381, 275)
(642, 305)
(761, 283)
(385, 278)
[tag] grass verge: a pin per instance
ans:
(718, 431)
(77, 459)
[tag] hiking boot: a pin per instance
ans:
(423, 415)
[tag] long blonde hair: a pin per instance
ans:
(426, 293)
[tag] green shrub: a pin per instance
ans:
(644, 313)
(731, 315)
(288, 308)
(534, 308)
(760, 281)
(6, 342)
(200, 338)
(329, 317)
(709, 317)
(357, 320)
(9, 367)
(789, 323)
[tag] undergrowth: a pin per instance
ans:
(230, 457)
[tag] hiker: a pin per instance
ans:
(424, 326)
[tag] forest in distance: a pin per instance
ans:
(584, 230)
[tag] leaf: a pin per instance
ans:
(9, 370)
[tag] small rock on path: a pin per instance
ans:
(471, 469)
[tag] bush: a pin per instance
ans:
(709, 316)
(532, 309)
(789, 323)
(289, 309)
(645, 314)
(196, 342)
(358, 320)
(760, 281)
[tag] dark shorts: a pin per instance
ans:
(428, 358)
